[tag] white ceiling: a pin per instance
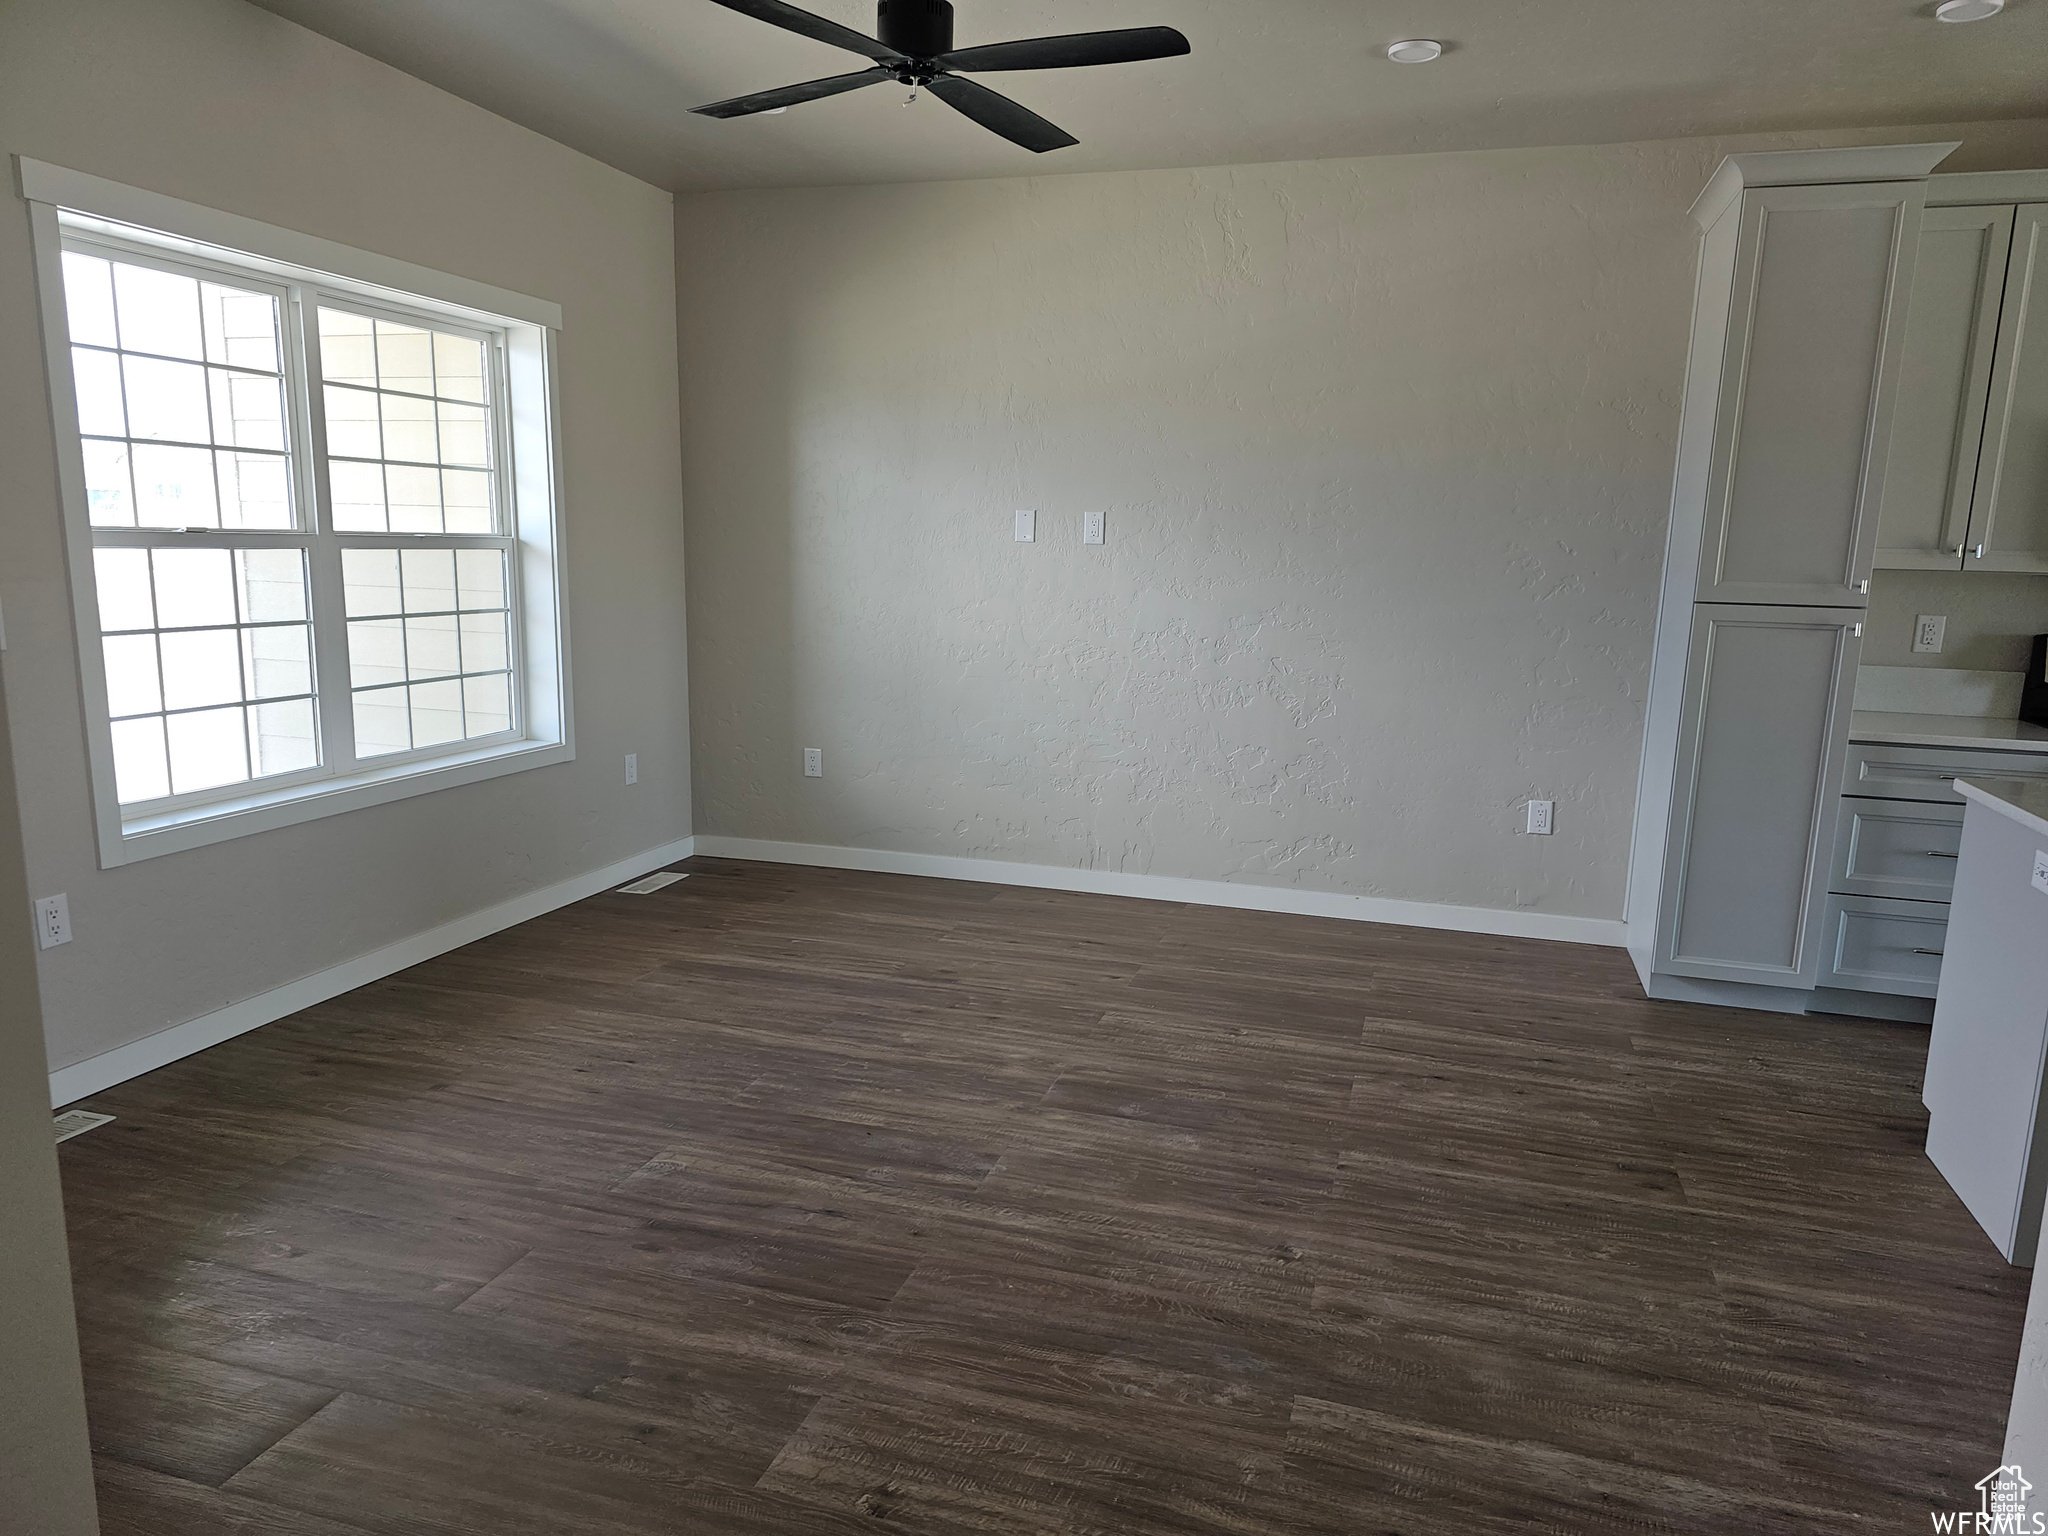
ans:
(1269, 79)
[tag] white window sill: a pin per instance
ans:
(220, 820)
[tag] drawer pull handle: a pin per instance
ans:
(1936, 853)
(1934, 952)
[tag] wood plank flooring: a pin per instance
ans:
(794, 1201)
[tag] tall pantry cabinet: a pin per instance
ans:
(1797, 349)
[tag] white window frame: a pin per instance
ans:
(522, 334)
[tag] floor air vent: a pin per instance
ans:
(659, 880)
(76, 1122)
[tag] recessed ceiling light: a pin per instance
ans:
(1420, 50)
(1968, 10)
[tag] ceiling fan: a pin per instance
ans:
(915, 48)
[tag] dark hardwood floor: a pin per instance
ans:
(799, 1201)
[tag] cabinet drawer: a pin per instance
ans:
(1929, 773)
(1899, 848)
(1874, 945)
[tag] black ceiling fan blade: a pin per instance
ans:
(788, 17)
(1129, 46)
(999, 114)
(792, 95)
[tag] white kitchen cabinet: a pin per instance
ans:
(1896, 848)
(1888, 771)
(1944, 387)
(1984, 1086)
(2009, 513)
(1760, 753)
(1966, 479)
(1898, 842)
(1872, 944)
(1807, 385)
(1798, 344)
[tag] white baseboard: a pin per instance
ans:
(1206, 893)
(97, 1073)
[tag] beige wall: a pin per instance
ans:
(45, 1459)
(222, 104)
(1385, 447)
(1992, 618)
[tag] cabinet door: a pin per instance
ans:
(1944, 382)
(2009, 523)
(1815, 341)
(1760, 751)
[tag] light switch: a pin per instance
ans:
(1027, 527)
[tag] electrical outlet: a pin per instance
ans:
(1027, 527)
(1092, 528)
(53, 921)
(1928, 631)
(1540, 812)
(814, 762)
(2041, 870)
(632, 767)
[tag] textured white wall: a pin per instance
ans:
(222, 104)
(1386, 450)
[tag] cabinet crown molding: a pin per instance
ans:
(1968, 189)
(1816, 167)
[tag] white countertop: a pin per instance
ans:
(1947, 731)
(2022, 800)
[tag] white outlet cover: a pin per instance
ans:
(632, 767)
(1540, 814)
(1027, 527)
(1092, 528)
(1929, 630)
(814, 762)
(53, 921)
(2041, 870)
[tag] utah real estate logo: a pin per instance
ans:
(2002, 1511)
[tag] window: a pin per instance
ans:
(214, 524)
(317, 575)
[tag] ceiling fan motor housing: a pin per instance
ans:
(920, 29)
